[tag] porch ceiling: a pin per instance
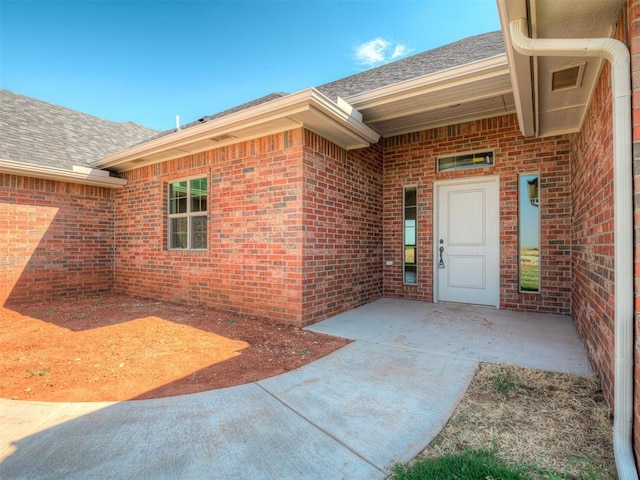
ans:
(477, 90)
(542, 109)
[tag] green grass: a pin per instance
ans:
(529, 279)
(39, 373)
(472, 464)
(529, 270)
(466, 465)
(504, 382)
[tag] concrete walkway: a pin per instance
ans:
(349, 415)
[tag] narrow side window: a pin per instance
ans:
(410, 219)
(529, 232)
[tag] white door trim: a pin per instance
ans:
(437, 184)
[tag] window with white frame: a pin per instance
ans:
(187, 211)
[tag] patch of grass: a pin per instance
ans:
(548, 426)
(40, 373)
(96, 303)
(231, 320)
(303, 352)
(504, 382)
(466, 465)
(82, 315)
(472, 464)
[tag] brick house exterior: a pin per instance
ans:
(305, 217)
(56, 240)
(295, 229)
(513, 154)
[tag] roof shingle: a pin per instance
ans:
(455, 54)
(37, 132)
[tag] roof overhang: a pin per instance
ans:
(75, 174)
(545, 108)
(473, 91)
(338, 123)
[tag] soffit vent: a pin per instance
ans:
(566, 78)
(220, 138)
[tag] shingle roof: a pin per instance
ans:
(36, 132)
(454, 54)
(224, 113)
(32, 131)
(239, 108)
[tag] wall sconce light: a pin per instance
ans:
(532, 187)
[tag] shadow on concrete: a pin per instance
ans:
(349, 415)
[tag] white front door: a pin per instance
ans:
(467, 241)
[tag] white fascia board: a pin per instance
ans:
(519, 67)
(491, 66)
(291, 106)
(79, 174)
(344, 117)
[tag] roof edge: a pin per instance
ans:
(308, 108)
(79, 174)
(406, 88)
(519, 67)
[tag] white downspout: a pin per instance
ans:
(618, 55)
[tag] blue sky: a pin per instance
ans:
(149, 60)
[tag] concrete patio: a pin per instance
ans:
(349, 415)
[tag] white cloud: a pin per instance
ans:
(379, 51)
(400, 51)
(371, 52)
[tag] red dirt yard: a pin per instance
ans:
(115, 347)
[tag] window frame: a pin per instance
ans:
(475, 157)
(523, 196)
(414, 246)
(189, 215)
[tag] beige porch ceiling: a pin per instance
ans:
(542, 110)
(469, 92)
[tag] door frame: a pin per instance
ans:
(437, 184)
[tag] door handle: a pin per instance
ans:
(441, 262)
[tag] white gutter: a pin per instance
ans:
(618, 55)
(77, 174)
(306, 108)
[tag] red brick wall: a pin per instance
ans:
(254, 261)
(411, 160)
(592, 236)
(279, 246)
(342, 227)
(56, 239)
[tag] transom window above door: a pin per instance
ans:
(465, 161)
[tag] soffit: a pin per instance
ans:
(543, 111)
(474, 91)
